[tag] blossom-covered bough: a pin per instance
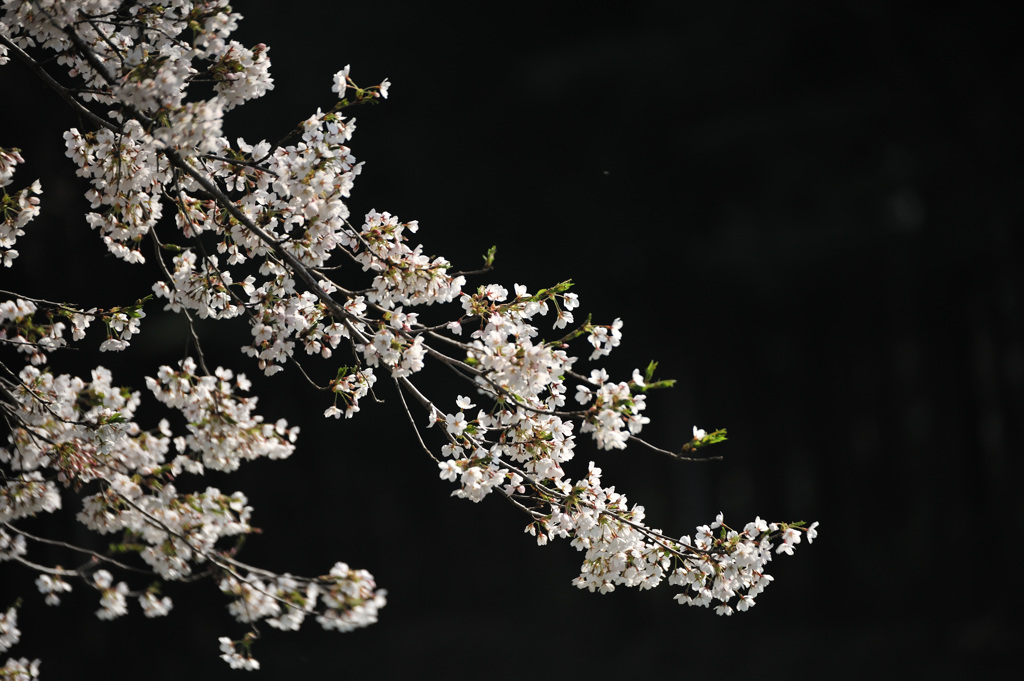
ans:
(262, 231)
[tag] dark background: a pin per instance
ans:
(808, 214)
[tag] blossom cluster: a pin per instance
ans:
(223, 431)
(16, 210)
(9, 632)
(81, 433)
(20, 669)
(261, 232)
(36, 331)
(123, 168)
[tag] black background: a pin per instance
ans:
(808, 214)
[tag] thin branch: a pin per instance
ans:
(58, 572)
(78, 549)
(188, 317)
(237, 162)
(678, 457)
(412, 421)
(43, 301)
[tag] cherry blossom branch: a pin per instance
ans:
(296, 267)
(674, 455)
(71, 547)
(283, 209)
(61, 91)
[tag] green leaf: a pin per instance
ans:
(489, 256)
(649, 372)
